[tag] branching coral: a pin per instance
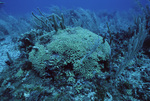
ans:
(135, 44)
(49, 23)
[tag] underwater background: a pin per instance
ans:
(74, 50)
(21, 6)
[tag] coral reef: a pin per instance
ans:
(68, 48)
(78, 56)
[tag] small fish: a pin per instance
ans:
(1, 2)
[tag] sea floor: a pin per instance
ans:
(7, 45)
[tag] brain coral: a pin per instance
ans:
(78, 48)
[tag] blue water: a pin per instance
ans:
(26, 6)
